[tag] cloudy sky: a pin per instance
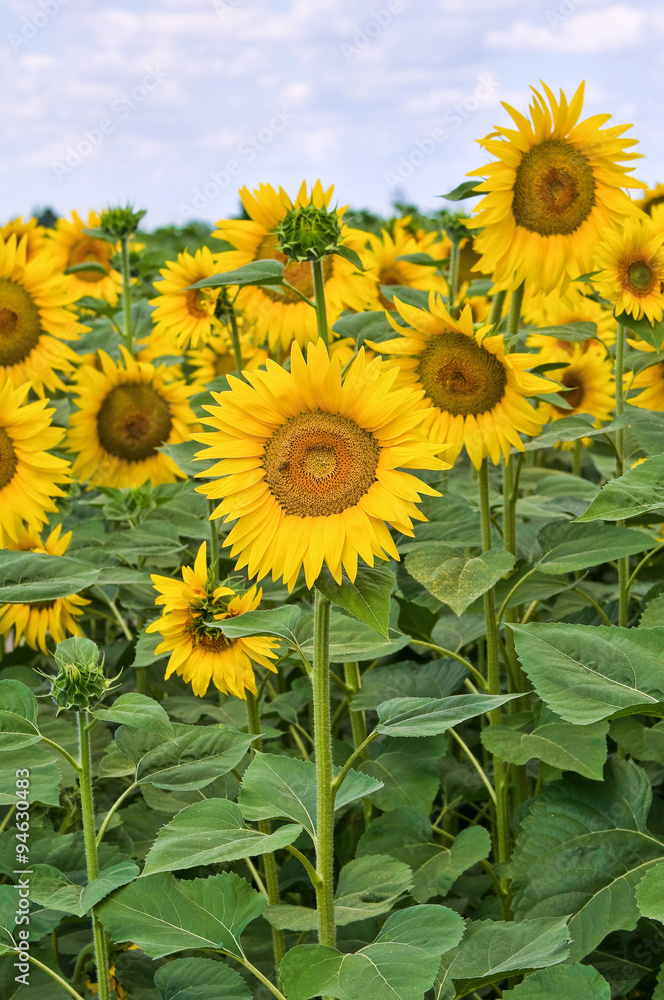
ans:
(175, 104)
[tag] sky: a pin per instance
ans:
(174, 105)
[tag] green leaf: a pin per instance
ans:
(582, 850)
(352, 256)
(562, 982)
(200, 979)
(258, 272)
(433, 716)
(422, 259)
(370, 325)
(640, 490)
(87, 265)
(638, 740)
(138, 711)
(408, 779)
(399, 965)
(568, 548)
(54, 890)
(647, 426)
(456, 579)
(491, 948)
(18, 716)
(45, 776)
(572, 428)
(574, 332)
(277, 786)
(557, 743)
(194, 758)
(650, 893)
(163, 916)
(586, 673)
(464, 190)
(653, 333)
(367, 598)
(652, 615)
(408, 680)
(279, 622)
(211, 832)
(27, 577)
(351, 639)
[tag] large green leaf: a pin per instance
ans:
(640, 489)
(653, 333)
(367, 597)
(45, 776)
(456, 579)
(582, 850)
(258, 272)
(586, 673)
(137, 710)
(573, 332)
(399, 965)
(408, 679)
(351, 639)
(560, 744)
(284, 786)
(647, 426)
(434, 716)
(18, 716)
(650, 893)
(163, 916)
(279, 622)
(568, 548)
(639, 741)
(200, 979)
(26, 577)
(57, 892)
(562, 982)
(195, 757)
(211, 832)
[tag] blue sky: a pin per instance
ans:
(175, 104)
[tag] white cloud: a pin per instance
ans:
(606, 29)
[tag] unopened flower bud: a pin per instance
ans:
(309, 233)
(119, 223)
(80, 682)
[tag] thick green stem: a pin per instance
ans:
(235, 337)
(453, 274)
(358, 723)
(214, 541)
(324, 776)
(126, 294)
(90, 841)
(497, 304)
(515, 311)
(264, 825)
(319, 294)
(63, 982)
(623, 562)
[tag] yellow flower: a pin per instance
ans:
(35, 621)
(35, 233)
(216, 357)
(125, 413)
(573, 307)
(631, 265)
(553, 189)
(651, 380)
(309, 465)
(28, 473)
(282, 318)
(34, 318)
(652, 199)
(587, 373)
(69, 245)
(475, 393)
(200, 654)
(382, 263)
(186, 317)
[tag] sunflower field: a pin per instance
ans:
(332, 591)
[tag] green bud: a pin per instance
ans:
(454, 225)
(80, 682)
(309, 233)
(118, 223)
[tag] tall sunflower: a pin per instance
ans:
(630, 261)
(69, 245)
(555, 186)
(35, 621)
(475, 392)
(125, 413)
(186, 317)
(381, 258)
(282, 318)
(309, 465)
(29, 474)
(35, 320)
(200, 654)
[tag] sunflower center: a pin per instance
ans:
(88, 249)
(461, 377)
(640, 278)
(201, 302)
(575, 395)
(8, 460)
(133, 421)
(554, 189)
(318, 464)
(296, 273)
(224, 364)
(20, 323)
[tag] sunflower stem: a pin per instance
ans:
(264, 825)
(324, 776)
(497, 304)
(126, 294)
(453, 274)
(514, 314)
(90, 841)
(319, 295)
(623, 562)
(235, 337)
(214, 543)
(358, 723)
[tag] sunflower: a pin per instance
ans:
(630, 261)
(216, 357)
(474, 390)
(652, 198)
(187, 317)
(554, 188)
(381, 258)
(199, 653)
(35, 233)
(309, 464)
(54, 618)
(283, 317)
(126, 412)
(587, 373)
(651, 381)
(28, 473)
(573, 307)
(34, 319)
(69, 246)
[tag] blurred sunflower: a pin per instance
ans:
(35, 621)
(476, 393)
(282, 317)
(587, 374)
(199, 653)
(69, 246)
(381, 258)
(35, 233)
(216, 356)
(573, 307)
(555, 186)
(652, 198)
(309, 465)
(125, 413)
(29, 475)
(186, 317)
(630, 261)
(34, 319)
(651, 381)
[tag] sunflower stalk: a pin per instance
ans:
(623, 562)
(324, 776)
(358, 722)
(319, 296)
(127, 331)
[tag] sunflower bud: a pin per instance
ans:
(80, 682)
(309, 233)
(118, 223)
